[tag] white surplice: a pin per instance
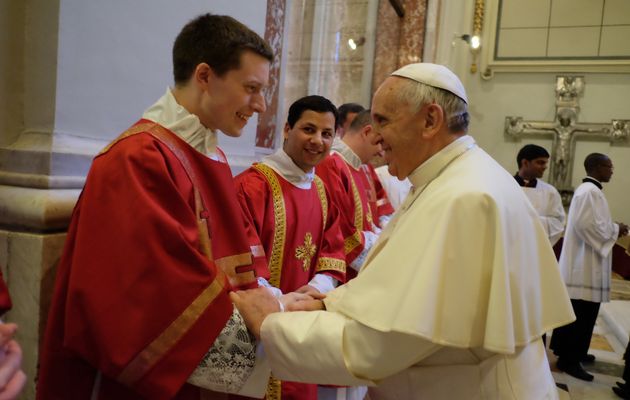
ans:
(396, 189)
(586, 257)
(546, 201)
(451, 303)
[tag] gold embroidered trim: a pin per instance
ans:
(280, 220)
(321, 191)
(148, 357)
(237, 276)
(129, 132)
(350, 243)
(274, 389)
(330, 264)
(306, 252)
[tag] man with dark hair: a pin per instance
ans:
(157, 241)
(349, 189)
(347, 113)
(294, 217)
(532, 162)
(455, 296)
(586, 262)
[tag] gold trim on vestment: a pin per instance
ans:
(230, 264)
(306, 252)
(321, 191)
(129, 132)
(280, 223)
(330, 264)
(142, 363)
(274, 389)
(350, 243)
(148, 357)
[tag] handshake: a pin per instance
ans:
(255, 305)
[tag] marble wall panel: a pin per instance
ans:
(274, 27)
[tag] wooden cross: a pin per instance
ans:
(306, 252)
(564, 130)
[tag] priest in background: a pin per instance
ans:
(454, 297)
(532, 162)
(586, 264)
(297, 223)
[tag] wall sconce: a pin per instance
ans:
(353, 44)
(474, 40)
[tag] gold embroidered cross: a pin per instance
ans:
(306, 252)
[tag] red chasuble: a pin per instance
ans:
(5, 299)
(154, 246)
(377, 197)
(348, 189)
(300, 234)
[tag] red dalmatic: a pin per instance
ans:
(155, 244)
(348, 189)
(299, 231)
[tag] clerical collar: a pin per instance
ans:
(171, 115)
(593, 181)
(431, 168)
(285, 167)
(339, 146)
(523, 183)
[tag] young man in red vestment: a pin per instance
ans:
(297, 224)
(157, 240)
(349, 189)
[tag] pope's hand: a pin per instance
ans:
(306, 305)
(12, 378)
(311, 291)
(254, 305)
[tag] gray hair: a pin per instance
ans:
(418, 94)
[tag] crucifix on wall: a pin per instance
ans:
(565, 130)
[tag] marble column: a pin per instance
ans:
(399, 40)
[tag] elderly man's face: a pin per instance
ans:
(397, 130)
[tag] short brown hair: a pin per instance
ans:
(217, 40)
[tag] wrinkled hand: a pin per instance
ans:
(306, 305)
(623, 229)
(311, 291)
(254, 305)
(295, 301)
(12, 378)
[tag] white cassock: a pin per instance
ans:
(547, 203)
(586, 257)
(396, 189)
(451, 303)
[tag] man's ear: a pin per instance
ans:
(366, 130)
(285, 131)
(203, 74)
(434, 119)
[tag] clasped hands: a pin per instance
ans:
(255, 304)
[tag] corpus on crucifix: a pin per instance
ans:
(564, 130)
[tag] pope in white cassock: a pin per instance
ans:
(456, 293)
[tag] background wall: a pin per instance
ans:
(532, 96)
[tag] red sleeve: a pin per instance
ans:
(338, 186)
(136, 273)
(332, 259)
(252, 192)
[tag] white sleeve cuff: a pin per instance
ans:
(322, 282)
